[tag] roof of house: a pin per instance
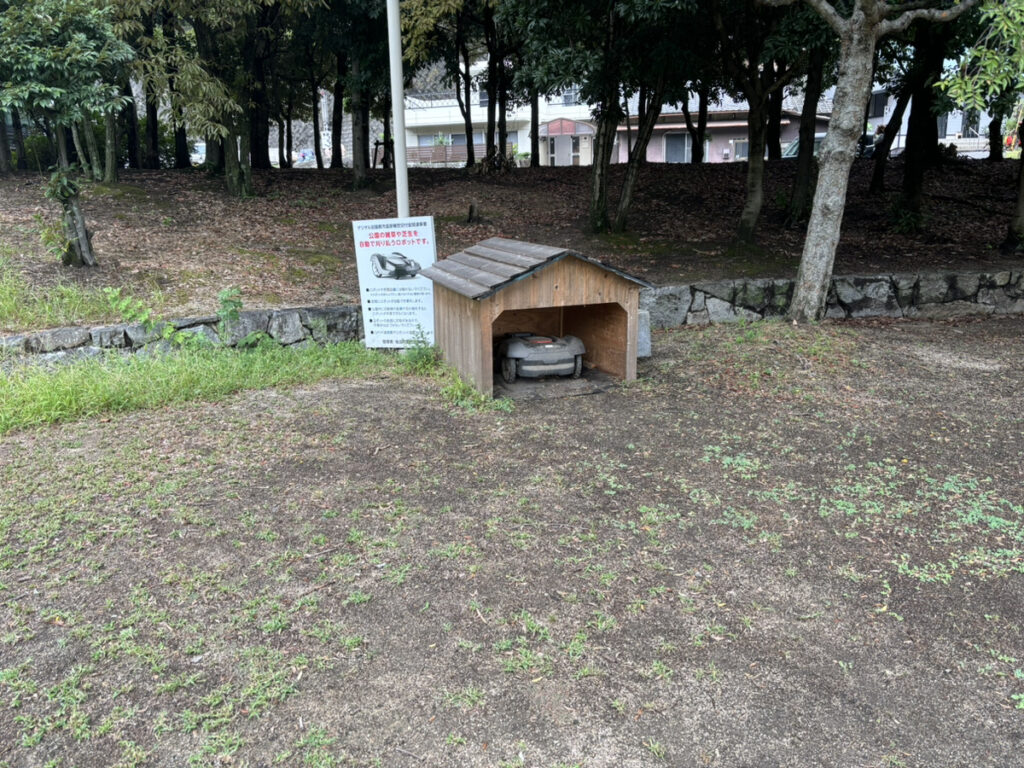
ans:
(483, 269)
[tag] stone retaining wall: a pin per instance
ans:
(916, 296)
(289, 327)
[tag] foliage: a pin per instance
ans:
(995, 63)
(57, 59)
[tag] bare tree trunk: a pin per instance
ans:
(607, 125)
(282, 159)
(6, 166)
(388, 156)
(837, 153)
(237, 168)
(803, 183)
(94, 150)
(465, 101)
(289, 143)
(1015, 232)
(699, 131)
(756, 132)
(110, 147)
(214, 162)
(649, 116)
(881, 152)
(502, 109)
(79, 251)
(359, 140)
(19, 141)
(317, 150)
(83, 157)
(131, 121)
(773, 134)
(995, 136)
(151, 161)
(534, 128)
(337, 112)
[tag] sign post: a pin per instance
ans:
(397, 303)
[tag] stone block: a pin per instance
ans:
(286, 327)
(643, 333)
(180, 323)
(58, 339)
(720, 289)
(205, 334)
(905, 285)
(109, 336)
(249, 321)
(965, 286)
(867, 296)
(932, 289)
(1001, 301)
(332, 324)
(667, 305)
(723, 312)
(13, 343)
(138, 335)
(698, 318)
(948, 310)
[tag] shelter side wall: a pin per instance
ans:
(463, 336)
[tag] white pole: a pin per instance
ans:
(398, 108)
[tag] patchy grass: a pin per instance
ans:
(824, 565)
(31, 395)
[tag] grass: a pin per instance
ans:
(32, 396)
(25, 308)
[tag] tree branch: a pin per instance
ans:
(824, 8)
(901, 22)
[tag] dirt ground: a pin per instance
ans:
(178, 234)
(780, 547)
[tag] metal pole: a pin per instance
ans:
(398, 107)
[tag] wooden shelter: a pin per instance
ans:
(502, 286)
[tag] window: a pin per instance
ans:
(742, 147)
(571, 97)
(575, 150)
(484, 97)
(876, 107)
(551, 150)
(678, 148)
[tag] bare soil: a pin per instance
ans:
(781, 546)
(179, 233)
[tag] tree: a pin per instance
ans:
(859, 25)
(759, 61)
(990, 70)
(56, 59)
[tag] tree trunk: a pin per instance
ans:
(803, 183)
(289, 143)
(337, 112)
(110, 147)
(182, 155)
(837, 153)
(237, 167)
(699, 131)
(388, 155)
(491, 41)
(995, 136)
(317, 150)
(607, 125)
(215, 154)
(881, 152)
(359, 141)
(1015, 232)
(83, 157)
(282, 159)
(773, 135)
(151, 161)
(6, 166)
(465, 101)
(79, 251)
(649, 116)
(94, 150)
(756, 132)
(131, 123)
(922, 150)
(19, 141)
(534, 128)
(502, 108)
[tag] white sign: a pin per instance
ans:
(397, 302)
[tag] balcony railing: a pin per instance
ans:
(443, 154)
